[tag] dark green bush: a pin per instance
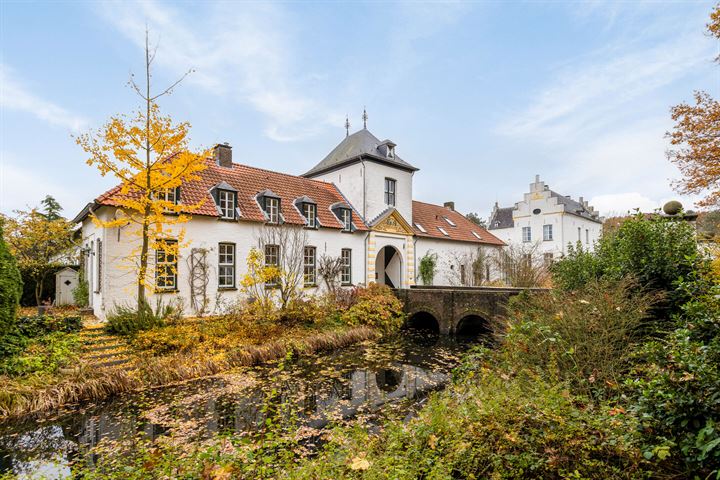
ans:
(10, 288)
(657, 251)
(37, 325)
(675, 388)
(127, 320)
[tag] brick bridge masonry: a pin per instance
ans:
(458, 310)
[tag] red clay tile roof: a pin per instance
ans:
(433, 216)
(249, 181)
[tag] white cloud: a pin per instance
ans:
(15, 96)
(622, 203)
(598, 91)
(243, 52)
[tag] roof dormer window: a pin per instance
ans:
(346, 219)
(272, 209)
(225, 197)
(270, 204)
(171, 195)
(391, 151)
(310, 213)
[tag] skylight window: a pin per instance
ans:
(442, 230)
(450, 222)
(476, 235)
(420, 227)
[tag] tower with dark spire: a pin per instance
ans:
(364, 118)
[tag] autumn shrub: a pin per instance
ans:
(584, 338)
(299, 311)
(127, 320)
(36, 325)
(377, 307)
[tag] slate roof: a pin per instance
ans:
(249, 182)
(502, 218)
(353, 148)
(433, 216)
(574, 207)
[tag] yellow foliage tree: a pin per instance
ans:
(258, 276)
(696, 140)
(39, 243)
(149, 154)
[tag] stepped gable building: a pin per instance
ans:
(548, 220)
(356, 204)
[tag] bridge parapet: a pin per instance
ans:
(459, 309)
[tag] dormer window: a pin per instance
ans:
(310, 213)
(346, 216)
(272, 209)
(226, 203)
(391, 151)
(225, 197)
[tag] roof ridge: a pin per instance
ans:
(321, 182)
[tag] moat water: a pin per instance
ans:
(371, 381)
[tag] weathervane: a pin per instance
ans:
(347, 126)
(364, 117)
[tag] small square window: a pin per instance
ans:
(421, 228)
(547, 233)
(526, 234)
(450, 222)
(443, 231)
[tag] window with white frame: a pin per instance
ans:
(309, 266)
(547, 233)
(99, 265)
(347, 219)
(226, 203)
(170, 195)
(272, 209)
(310, 212)
(421, 228)
(166, 265)
(526, 234)
(346, 273)
(390, 186)
(548, 258)
(450, 222)
(272, 259)
(443, 231)
(226, 265)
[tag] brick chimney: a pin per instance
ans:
(223, 155)
(449, 205)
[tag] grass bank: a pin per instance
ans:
(35, 394)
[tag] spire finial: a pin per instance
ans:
(347, 126)
(364, 117)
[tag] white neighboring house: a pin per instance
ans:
(356, 204)
(547, 219)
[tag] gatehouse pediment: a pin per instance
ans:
(392, 222)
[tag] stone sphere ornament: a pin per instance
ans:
(673, 207)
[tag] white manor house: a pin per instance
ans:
(547, 221)
(356, 205)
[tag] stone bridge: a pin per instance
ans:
(457, 310)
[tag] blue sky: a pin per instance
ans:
(480, 96)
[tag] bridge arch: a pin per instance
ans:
(473, 325)
(423, 320)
